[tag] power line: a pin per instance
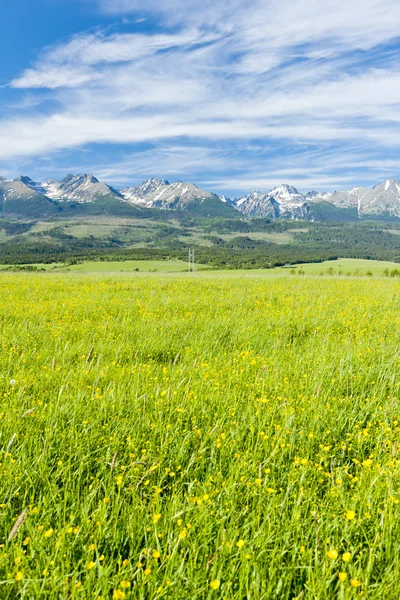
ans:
(191, 260)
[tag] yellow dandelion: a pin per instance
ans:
(26, 541)
(156, 518)
(125, 584)
(147, 571)
(19, 576)
(342, 576)
(214, 584)
(182, 534)
(90, 565)
(355, 583)
(350, 515)
(332, 554)
(156, 554)
(240, 543)
(346, 556)
(48, 533)
(118, 595)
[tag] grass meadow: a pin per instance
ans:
(199, 437)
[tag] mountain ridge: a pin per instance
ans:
(84, 192)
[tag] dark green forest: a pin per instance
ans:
(220, 242)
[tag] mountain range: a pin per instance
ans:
(85, 194)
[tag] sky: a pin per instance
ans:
(233, 95)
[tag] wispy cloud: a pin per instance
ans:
(217, 75)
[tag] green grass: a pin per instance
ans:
(168, 432)
(343, 266)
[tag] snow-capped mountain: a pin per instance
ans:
(283, 201)
(144, 193)
(159, 193)
(383, 199)
(320, 195)
(86, 195)
(257, 204)
(37, 187)
(16, 188)
(79, 188)
(342, 199)
(19, 199)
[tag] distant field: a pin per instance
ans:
(128, 266)
(343, 266)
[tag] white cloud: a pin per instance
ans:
(71, 64)
(216, 72)
(52, 77)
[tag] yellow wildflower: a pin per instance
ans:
(125, 584)
(350, 515)
(346, 556)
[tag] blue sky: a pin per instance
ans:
(233, 95)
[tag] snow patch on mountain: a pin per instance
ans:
(383, 199)
(284, 201)
(16, 189)
(79, 188)
(37, 187)
(159, 193)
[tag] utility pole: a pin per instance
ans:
(191, 261)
